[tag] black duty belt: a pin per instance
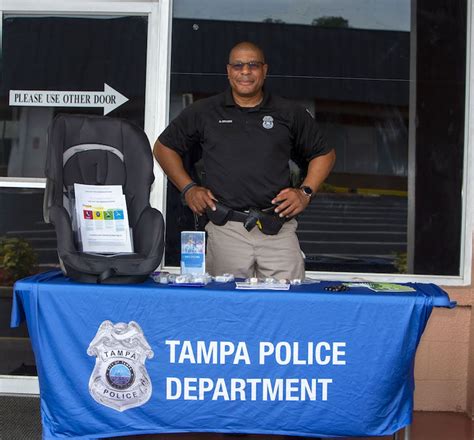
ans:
(266, 220)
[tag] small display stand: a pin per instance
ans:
(193, 252)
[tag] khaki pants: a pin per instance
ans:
(233, 249)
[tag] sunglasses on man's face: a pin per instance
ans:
(252, 65)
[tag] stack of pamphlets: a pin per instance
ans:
(101, 219)
(246, 285)
(193, 253)
(269, 283)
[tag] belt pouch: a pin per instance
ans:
(270, 224)
(220, 216)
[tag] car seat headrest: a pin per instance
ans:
(93, 164)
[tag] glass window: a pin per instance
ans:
(32, 245)
(386, 81)
(59, 60)
(50, 64)
(22, 219)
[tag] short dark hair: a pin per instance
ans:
(248, 45)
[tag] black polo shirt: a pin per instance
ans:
(246, 150)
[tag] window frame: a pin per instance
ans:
(157, 56)
(159, 15)
(465, 266)
(157, 96)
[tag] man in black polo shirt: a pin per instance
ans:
(247, 137)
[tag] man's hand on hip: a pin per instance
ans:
(290, 201)
(199, 198)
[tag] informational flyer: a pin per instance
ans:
(244, 285)
(102, 219)
(390, 287)
(383, 287)
(193, 252)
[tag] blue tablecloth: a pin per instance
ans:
(214, 359)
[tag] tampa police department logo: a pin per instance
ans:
(120, 375)
(120, 380)
(267, 122)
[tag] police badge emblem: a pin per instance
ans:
(119, 379)
(267, 122)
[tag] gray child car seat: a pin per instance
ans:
(97, 150)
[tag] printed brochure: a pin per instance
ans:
(193, 252)
(102, 219)
(383, 287)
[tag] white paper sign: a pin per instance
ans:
(102, 218)
(109, 99)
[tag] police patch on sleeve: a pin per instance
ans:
(119, 379)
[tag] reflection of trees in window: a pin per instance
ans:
(330, 21)
(273, 20)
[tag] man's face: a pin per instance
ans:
(246, 72)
